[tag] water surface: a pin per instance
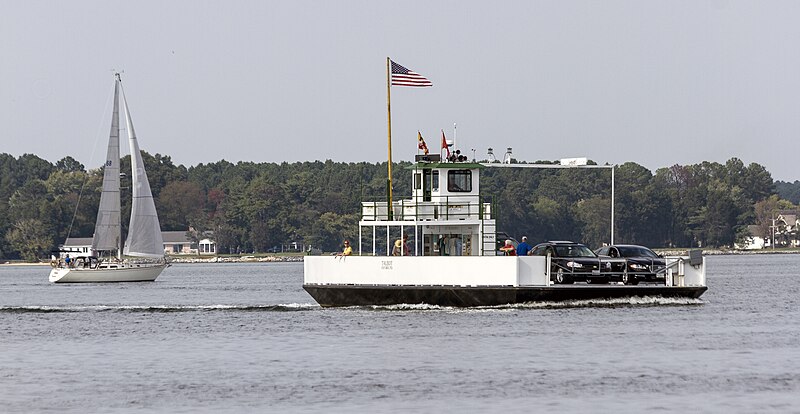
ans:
(246, 337)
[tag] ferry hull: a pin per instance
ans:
(144, 273)
(471, 281)
(470, 296)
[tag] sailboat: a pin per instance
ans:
(142, 256)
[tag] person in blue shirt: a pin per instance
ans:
(523, 248)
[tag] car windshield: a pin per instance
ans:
(574, 251)
(635, 251)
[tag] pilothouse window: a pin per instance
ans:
(459, 181)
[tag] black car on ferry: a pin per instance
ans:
(631, 264)
(571, 262)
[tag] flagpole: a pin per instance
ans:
(389, 112)
(454, 136)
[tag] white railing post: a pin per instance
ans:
(547, 272)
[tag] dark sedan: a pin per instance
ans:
(571, 262)
(631, 264)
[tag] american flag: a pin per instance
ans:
(401, 76)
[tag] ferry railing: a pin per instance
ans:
(677, 272)
(671, 273)
(620, 266)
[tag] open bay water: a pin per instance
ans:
(247, 338)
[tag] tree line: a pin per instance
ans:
(252, 207)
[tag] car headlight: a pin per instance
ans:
(636, 266)
(574, 265)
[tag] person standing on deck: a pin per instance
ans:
(523, 248)
(508, 249)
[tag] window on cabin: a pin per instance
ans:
(459, 181)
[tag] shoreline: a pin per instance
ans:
(295, 259)
(722, 252)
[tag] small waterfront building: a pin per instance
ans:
(177, 242)
(76, 246)
(207, 247)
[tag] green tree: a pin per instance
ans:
(69, 164)
(181, 205)
(330, 229)
(30, 237)
(595, 221)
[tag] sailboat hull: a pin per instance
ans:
(124, 273)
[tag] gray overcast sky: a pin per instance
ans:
(654, 82)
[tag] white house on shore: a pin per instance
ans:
(784, 232)
(786, 229)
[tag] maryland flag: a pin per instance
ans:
(421, 144)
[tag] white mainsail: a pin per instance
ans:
(144, 232)
(107, 233)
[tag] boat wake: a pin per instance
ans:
(291, 307)
(635, 301)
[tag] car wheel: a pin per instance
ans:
(562, 279)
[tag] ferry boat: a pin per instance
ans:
(453, 260)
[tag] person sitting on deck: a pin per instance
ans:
(348, 251)
(508, 249)
(401, 246)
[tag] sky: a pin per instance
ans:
(655, 82)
